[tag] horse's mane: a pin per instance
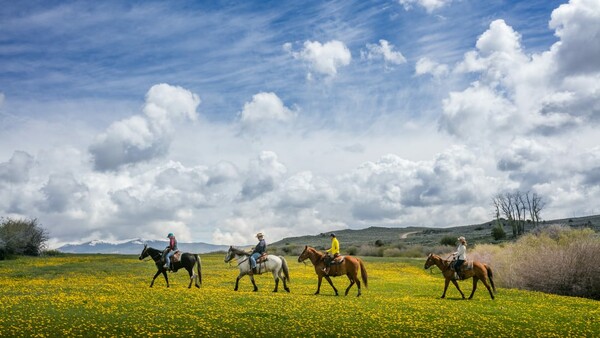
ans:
(239, 251)
(316, 251)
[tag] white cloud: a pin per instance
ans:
(577, 24)
(17, 169)
(428, 66)
(264, 175)
(383, 50)
(142, 138)
(265, 107)
(324, 59)
(429, 5)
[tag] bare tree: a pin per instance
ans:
(535, 204)
(516, 206)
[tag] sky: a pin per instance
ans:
(217, 120)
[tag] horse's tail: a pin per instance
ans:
(363, 272)
(199, 267)
(490, 275)
(284, 266)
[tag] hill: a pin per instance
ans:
(424, 236)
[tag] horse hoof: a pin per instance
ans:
(287, 289)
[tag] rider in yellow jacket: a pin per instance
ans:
(332, 253)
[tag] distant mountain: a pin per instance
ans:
(135, 246)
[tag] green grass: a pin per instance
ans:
(108, 295)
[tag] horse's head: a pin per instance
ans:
(144, 253)
(307, 253)
(229, 256)
(430, 261)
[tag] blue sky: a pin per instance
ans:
(221, 119)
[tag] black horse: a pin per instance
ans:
(188, 260)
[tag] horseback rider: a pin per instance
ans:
(259, 249)
(170, 250)
(460, 255)
(331, 253)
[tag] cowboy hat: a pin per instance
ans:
(260, 234)
(462, 239)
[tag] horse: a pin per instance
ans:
(187, 261)
(479, 271)
(349, 267)
(275, 264)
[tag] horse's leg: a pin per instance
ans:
(331, 283)
(357, 284)
(164, 272)
(446, 282)
(475, 280)
(351, 283)
(319, 284)
(282, 277)
(276, 278)
(155, 275)
(487, 285)
(458, 288)
(253, 283)
(191, 273)
(237, 282)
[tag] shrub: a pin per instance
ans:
(368, 250)
(448, 240)
(22, 237)
(498, 232)
(553, 260)
(352, 250)
(392, 252)
(379, 243)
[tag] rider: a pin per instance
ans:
(332, 253)
(259, 249)
(170, 250)
(461, 256)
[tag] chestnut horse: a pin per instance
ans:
(349, 267)
(479, 271)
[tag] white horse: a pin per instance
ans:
(275, 264)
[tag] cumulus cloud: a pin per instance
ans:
(304, 190)
(429, 5)
(383, 50)
(17, 169)
(546, 93)
(324, 59)
(63, 193)
(577, 24)
(263, 176)
(427, 66)
(264, 108)
(144, 137)
(390, 188)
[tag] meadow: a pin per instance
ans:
(109, 296)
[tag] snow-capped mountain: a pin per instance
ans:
(135, 247)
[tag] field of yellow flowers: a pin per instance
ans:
(109, 295)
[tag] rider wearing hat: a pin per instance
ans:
(461, 256)
(170, 250)
(332, 253)
(259, 249)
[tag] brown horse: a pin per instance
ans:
(479, 271)
(349, 267)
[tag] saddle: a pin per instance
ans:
(176, 257)
(338, 260)
(467, 265)
(262, 258)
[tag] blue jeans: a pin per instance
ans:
(253, 259)
(168, 258)
(458, 264)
